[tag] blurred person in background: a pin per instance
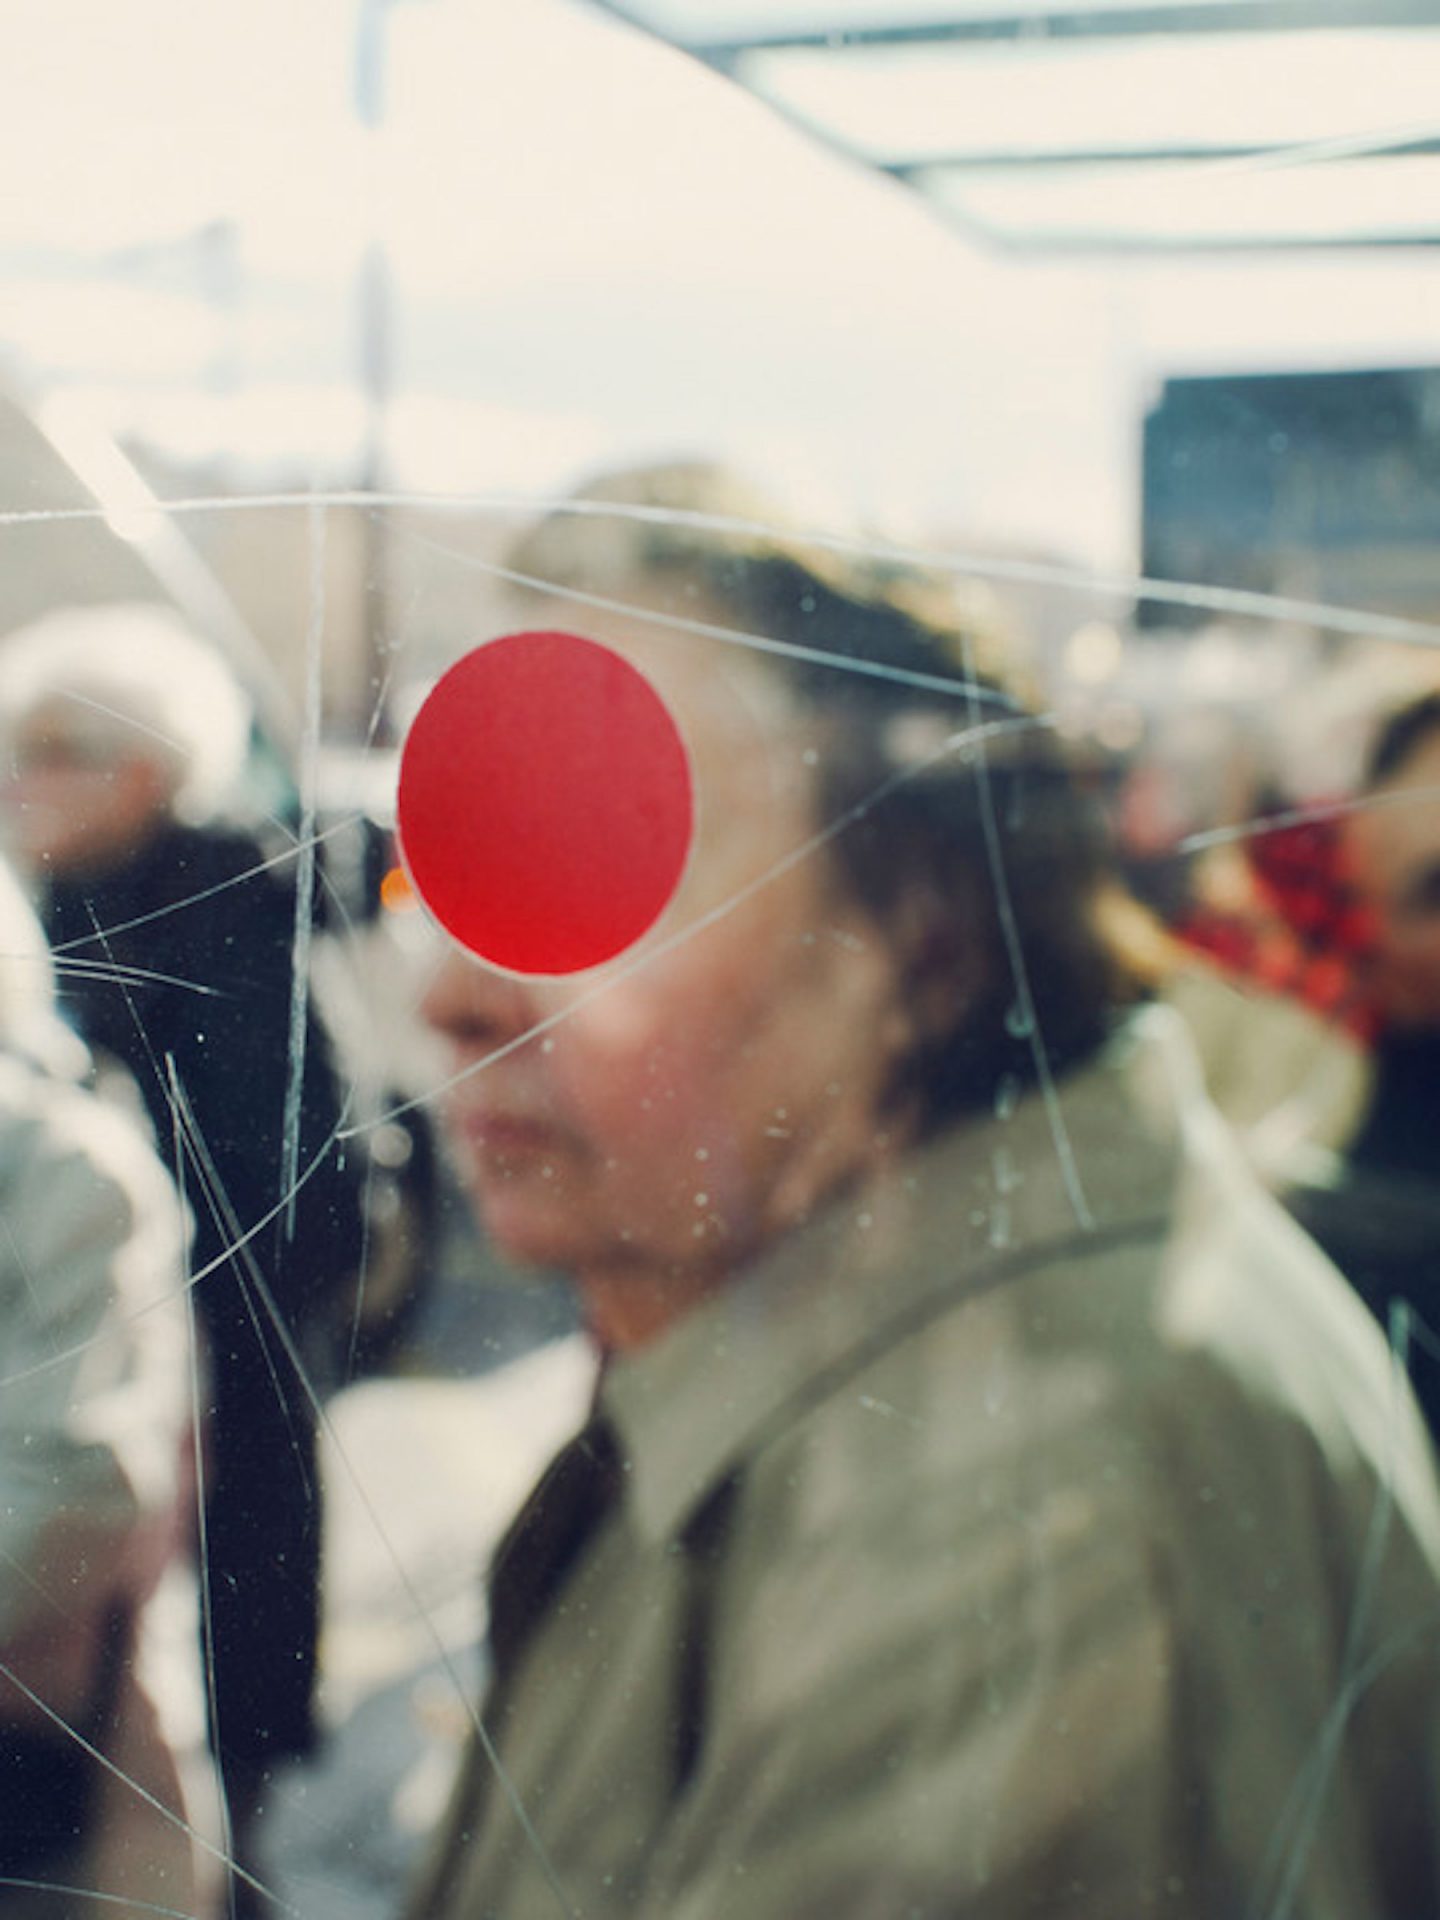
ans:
(123, 733)
(977, 1512)
(1257, 938)
(1376, 1205)
(1243, 867)
(1394, 842)
(94, 1422)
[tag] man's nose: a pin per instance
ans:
(475, 1008)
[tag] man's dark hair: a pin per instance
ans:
(959, 820)
(1406, 730)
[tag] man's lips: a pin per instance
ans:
(509, 1132)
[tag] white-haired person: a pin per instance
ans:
(121, 734)
(94, 1422)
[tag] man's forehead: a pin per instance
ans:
(1398, 830)
(60, 721)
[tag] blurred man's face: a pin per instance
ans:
(653, 1125)
(1395, 851)
(71, 804)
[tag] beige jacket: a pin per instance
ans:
(94, 1414)
(94, 1370)
(1041, 1534)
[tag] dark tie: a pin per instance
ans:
(579, 1489)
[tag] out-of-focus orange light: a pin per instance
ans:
(396, 892)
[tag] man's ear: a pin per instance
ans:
(944, 974)
(143, 795)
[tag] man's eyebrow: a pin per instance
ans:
(1422, 887)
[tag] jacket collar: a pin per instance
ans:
(1090, 1160)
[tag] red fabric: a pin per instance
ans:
(1309, 935)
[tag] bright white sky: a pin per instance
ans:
(595, 249)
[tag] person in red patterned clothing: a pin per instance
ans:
(1376, 1212)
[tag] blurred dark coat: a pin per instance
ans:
(1026, 1535)
(1375, 1205)
(183, 955)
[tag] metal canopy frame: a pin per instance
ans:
(750, 60)
(1077, 23)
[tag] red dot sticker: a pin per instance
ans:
(546, 805)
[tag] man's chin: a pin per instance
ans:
(523, 1237)
(1412, 1016)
